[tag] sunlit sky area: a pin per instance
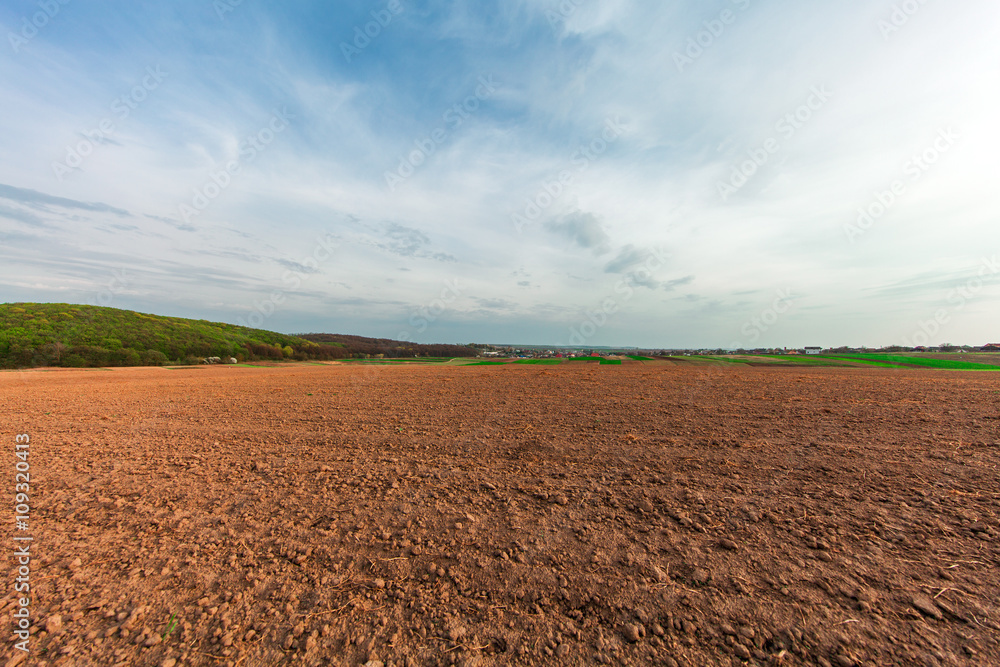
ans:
(722, 173)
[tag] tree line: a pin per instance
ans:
(67, 335)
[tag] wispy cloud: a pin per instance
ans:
(44, 202)
(671, 285)
(21, 215)
(594, 132)
(583, 229)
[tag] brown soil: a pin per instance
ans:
(644, 514)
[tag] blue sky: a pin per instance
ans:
(716, 173)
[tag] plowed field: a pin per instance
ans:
(643, 514)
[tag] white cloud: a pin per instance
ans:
(655, 186)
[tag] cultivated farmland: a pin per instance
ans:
(649, 513)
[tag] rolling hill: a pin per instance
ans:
(59, 334)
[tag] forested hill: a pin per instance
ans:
(59, 334)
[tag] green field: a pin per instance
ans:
(965, 362)
(922, 361)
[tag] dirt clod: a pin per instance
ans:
(634, 632)
(925, 606)
(726, 543)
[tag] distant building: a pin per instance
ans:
(813, 350)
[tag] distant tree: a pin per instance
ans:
(53, 352)
(153, 358)
(74, 360)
